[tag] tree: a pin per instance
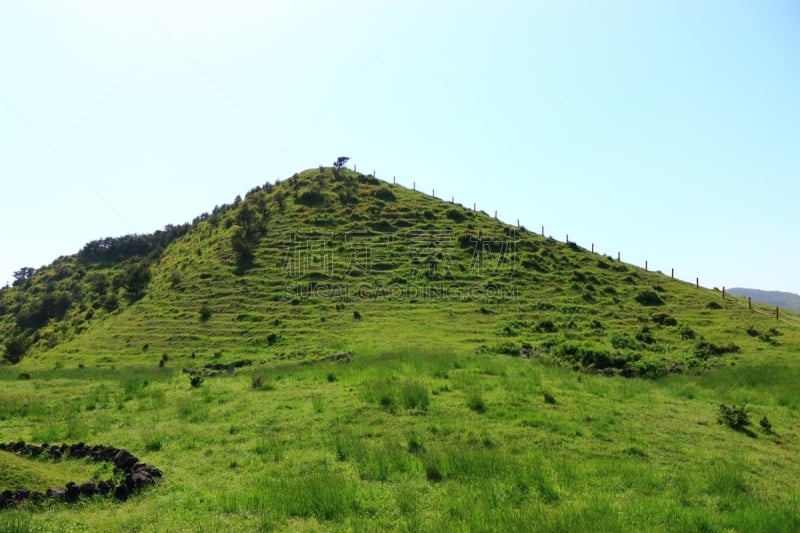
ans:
(340, 162)
(22, 275)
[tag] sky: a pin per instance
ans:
(668, 131)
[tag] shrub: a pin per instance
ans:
(507, 348)
(477, 403)
(623, 341)
(415, 444)
(549, 398)
(356, 315)
(310, 198)
(649, 368)
(205, 312)
(686, 333)
(272, 339)
(644, 335)
(705, 349)
(385, 194)
(733, 416)
(766, 427)
(663, 319)
(650, 298)
(456, 215)
(714, 305)
(195, 381)
(546, 326)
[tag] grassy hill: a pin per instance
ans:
(400, 362)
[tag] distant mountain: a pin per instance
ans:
(786, 300)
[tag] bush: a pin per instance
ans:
(714, 305)
(356, 315)
(546, 326)
(456, 215)
(195, 381)
(686, 333)
(549, 398)
(705, 349)
(477, 403)
(205, 312)
(766, 427)
(733, 416)
(623, 341)
(650, 298)
(663, 319)
(385, 194)
(310, 198)
(272, 339)
(644, 335)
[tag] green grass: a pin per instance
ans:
(469, 395)
(612, 454)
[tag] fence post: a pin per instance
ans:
(452, 199)
(495, 214)
(567, 241)
(517, 223)
(749, 303)
(672, 274)
(542, 231)
(394, 180)
(473, 206)
(777, 312)
(645, 266)
(618, 255)
(723, 292)
(697, 282)
(592, 247)
(414, 185)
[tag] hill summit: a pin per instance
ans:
(331, 260)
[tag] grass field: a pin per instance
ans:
(395, 368)
(423, 440)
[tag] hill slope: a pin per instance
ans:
(369, 358)
(328, 261)
(785, 300)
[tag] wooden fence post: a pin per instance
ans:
(567, 241)
(618, 256)
(672, 274)
(777, 312)
(474, 206)
(697, 282)
(723, 292)
(645, 266)
(542, 231)
(495, 215)
(414, 185)
(749, 303)
(394, 180)
(592, 247)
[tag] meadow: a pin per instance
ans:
(421, 440)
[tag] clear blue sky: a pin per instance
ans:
(667, 130)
